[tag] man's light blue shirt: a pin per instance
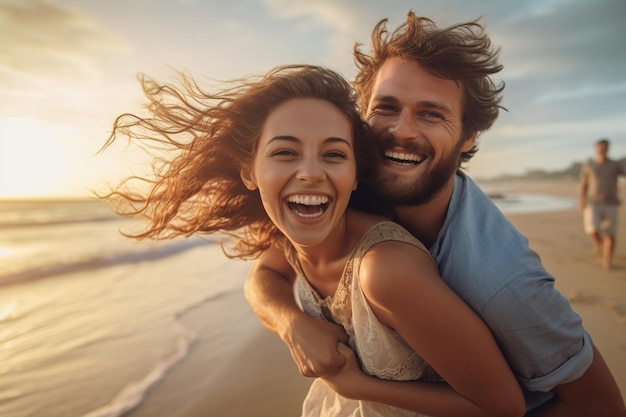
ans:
(489, 264)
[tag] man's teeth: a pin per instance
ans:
(308, 200)
(404, 157)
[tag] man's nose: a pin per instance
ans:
(404, 126)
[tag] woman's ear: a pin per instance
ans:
(248, 178)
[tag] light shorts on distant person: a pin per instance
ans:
(601, 218)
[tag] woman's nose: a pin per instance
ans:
(310, 170)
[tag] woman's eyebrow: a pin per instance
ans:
(294, 139)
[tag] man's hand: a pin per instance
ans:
(313, 346)
(349, 377)
(312, 342)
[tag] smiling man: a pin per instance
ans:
(427, 93)
(417, 117)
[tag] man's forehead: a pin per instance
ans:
(399, 80)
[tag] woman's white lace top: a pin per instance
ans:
(381, 351)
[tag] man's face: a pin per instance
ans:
(601, 150)
(417, 117)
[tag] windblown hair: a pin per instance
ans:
(461, 52)
(199, 143)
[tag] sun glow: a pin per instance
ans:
(37, 158)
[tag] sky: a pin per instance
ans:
(69, 67)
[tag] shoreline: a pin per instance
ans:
(236, 369)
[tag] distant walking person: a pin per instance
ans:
(599, 201)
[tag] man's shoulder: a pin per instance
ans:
(468, 202)
(479, 244)
(618, 165)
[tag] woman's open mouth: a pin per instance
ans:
(309, 206)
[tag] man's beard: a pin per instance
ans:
(394, 192)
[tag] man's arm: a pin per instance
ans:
(312, 342)
(594, 394)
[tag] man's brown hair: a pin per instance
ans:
(461, 52)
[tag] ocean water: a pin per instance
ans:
(519, 203)
(91, 321)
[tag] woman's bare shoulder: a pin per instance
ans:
(393, 266)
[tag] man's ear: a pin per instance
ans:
(469, 142)
(248, 178)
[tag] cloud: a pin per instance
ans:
(325, 12)
(342, 23)
(565, 67)
(51, 41)
(586, 92)
(588, 36)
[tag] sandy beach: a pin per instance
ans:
(258, 377)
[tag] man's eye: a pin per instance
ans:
(384, 108)
(433, 115)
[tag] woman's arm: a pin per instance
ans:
(405, 291)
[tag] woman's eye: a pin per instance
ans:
(284, 153)
(337, 154)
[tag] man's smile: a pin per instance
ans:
(404, 158)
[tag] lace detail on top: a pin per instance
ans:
(383, 353)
